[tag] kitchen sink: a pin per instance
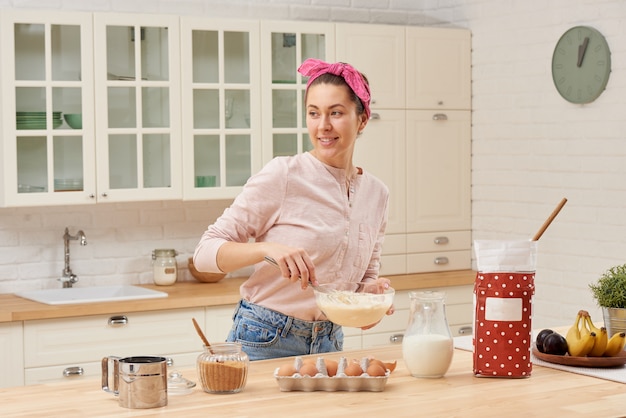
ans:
(64, 296)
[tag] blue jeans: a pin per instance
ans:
(265, 333)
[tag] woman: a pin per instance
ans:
(317, 215)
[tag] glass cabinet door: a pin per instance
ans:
(48, 126)
(137, 74)
(220, 106)
(285, 46)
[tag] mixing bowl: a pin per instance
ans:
(353, 304)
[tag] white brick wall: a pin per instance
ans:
(530, 149)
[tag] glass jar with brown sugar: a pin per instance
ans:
(223, 368)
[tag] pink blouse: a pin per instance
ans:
(301, 202)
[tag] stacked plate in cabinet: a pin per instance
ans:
(66, 185)
(36, 120)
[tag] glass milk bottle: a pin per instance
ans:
(427, 344)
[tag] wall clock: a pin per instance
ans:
(581, 64)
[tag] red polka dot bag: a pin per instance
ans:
(503, 292)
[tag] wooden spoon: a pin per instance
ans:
(201, 334)
(548, 221)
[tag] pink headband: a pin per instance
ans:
(314, 68)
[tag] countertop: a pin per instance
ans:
(194, 294)
(548, 392)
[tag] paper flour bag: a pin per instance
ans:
(503, 292)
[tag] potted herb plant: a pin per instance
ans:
(609, 292)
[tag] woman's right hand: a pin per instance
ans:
(294, 263)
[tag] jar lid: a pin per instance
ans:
(164, 252)
(178, 385)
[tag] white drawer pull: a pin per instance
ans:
(464, 330)
(441, 240)
(73, 371)
(118, 321)
(441, 260)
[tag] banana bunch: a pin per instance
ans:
(585, 339)
(580, 339)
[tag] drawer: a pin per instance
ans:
(11, 354)
(459, 314)
(439, 241)
(394, 244)
(443, 261)
(390, 337)
(87, 339)
(382, 339)
(392, 264)
(352, 342)
(219, 321)
(391, 323)
(67, 372)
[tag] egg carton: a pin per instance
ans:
(340, 382)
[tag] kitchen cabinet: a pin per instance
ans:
(286, 45)
(72, 348)
(379, 52)
(419, 147)
(179, 107)
(137, 92)
(438, 224)
(221, 106)
(410, 67)
(11, 354)
(459, 307)
(47, 72)
(439, 68)
(219, 321)
(127, 145)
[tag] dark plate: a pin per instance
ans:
(568, 360)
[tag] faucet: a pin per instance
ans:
(69, 278)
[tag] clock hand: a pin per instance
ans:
(581, 51)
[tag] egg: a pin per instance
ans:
(378, 362)
(286, 370)
(331, 367)
(308, 369)
(375, 370)
(353, 369)
(390, 366)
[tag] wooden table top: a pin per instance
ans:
(547, 393)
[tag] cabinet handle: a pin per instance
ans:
(92, 196)
(396, 338)
(104, 194)
(441, 260)
(118, 321)
(374, 116)
(464, 330)
(73, 371)
(169, 361)
(440, 116)
(441, 240)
